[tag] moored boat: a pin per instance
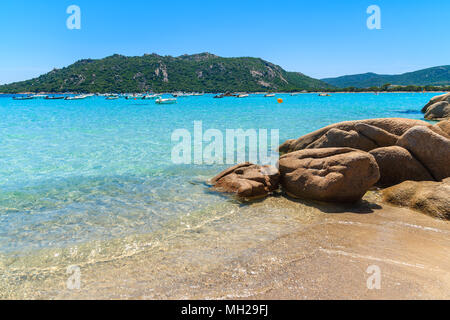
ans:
(165, 101)
(39, 96)
(149, 96)
(133, 97)
(23, 98)
(244, 95)
(79, 97)
(54, 98)
(269, 95)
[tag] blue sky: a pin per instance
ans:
(320, 38)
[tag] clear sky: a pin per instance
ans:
(320, 38)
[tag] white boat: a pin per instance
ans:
(112, 98)
(165, 101)
(242, 95)
(149, 96)
(269, 95)
(79, 97)
(39, 96)
(133, 97)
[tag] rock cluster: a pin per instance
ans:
(341, 162)
(363, 135)
(438, 108)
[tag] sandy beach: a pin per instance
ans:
(280, 249)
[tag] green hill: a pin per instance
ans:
(152, 72)
(431, 76)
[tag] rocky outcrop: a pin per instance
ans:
(430, 149)
(438, 111)
(429, 197)
(397, 165)
(328, 174)
(361, 134)
(411, 157)
(247, 180)
(444, 126)
(442, 97)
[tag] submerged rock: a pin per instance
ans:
(397, 165)
(437, 111)
(429, 197)
(328, 174)
(247, 180)
(430, 149)
(361, 134)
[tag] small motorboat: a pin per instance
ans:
(112, 98)
(39, 96)
(23, 98)
(244, 95)
(219, 96)
(269, 95)
(324, 95)
(79, 97)
(165, 101)
(149, 97)
(54, 98)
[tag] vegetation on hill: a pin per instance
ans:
(152, 72)
(437, 76)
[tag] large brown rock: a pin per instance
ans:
(444, 125)
(397, 165)
(247, 180)
(429, 197)
(361, 134)
(430, 149)
(442, 97)
(328, 174)
(439, 110)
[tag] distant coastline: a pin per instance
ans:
(436, 90)
(208, 73)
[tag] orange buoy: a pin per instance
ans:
(280, 100)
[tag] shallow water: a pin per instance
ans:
(87, 181)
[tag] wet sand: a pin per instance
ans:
(274, 249)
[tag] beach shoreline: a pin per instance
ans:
(302, 250)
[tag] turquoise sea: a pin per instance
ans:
(74, 172)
